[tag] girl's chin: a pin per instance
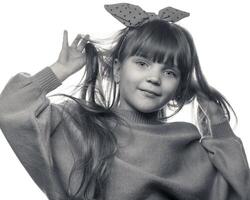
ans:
(147, 108)
(140, 108)
(143, 105)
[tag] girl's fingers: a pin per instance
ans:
(65, 39)
(82, 43)
(76, 41)
(203, 102)
(201, 98)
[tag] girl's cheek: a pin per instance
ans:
(170, 87)
(171, 83)
(135, 75)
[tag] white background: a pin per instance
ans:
(31, 36)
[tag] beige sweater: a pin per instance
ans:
(156, 161)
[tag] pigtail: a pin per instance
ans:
(210, 92)
(91, 72)
(92, 92)
(99, 140)
(98, 143)
(213, 95)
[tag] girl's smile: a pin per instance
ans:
(149, 93)
(145, 86)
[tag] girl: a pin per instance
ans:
(114, 141)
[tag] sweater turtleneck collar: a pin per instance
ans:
(139, 117)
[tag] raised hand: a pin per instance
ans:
(212, 110)
(71, 58)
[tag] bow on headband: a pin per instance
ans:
(132, 15)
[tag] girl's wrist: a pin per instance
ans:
(59, 71)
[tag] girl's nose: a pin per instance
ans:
(154, 80)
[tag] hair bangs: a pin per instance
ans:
(158, 44)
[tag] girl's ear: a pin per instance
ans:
(116, 71)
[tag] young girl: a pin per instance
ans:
(114, 141)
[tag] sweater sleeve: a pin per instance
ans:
(27, 119)
(226, 152)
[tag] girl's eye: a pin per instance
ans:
(141, 64)
(170, 73)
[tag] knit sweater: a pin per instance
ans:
(156, 160)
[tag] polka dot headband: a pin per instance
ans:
(132, 15)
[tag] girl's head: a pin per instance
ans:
(155, 57)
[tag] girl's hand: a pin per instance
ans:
(212, 110)
(72, 58)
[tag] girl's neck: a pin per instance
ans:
(134, 116)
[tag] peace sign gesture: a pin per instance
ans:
(71, 58)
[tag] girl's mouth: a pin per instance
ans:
(150, 93)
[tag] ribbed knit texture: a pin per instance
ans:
(47, 80)
(138, 117)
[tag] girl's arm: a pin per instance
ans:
(226, 152)
(28, 119)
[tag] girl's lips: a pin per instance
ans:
(150, 92)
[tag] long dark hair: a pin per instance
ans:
(157, 40)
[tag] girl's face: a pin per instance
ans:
(145, 86)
